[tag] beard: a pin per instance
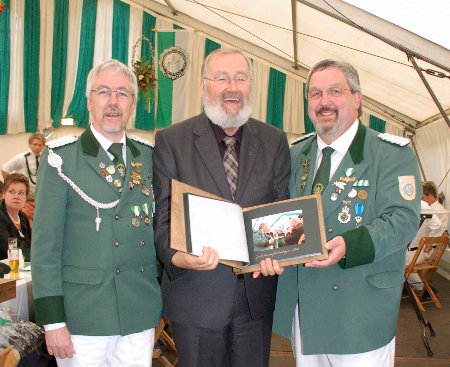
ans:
(219, 116)
(322, 125)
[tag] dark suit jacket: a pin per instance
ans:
(189, 153)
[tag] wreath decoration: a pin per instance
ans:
(145, 73)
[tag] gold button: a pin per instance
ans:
(142, 243)
(116, 243)
(117, 270)
(142, 269)
(330, 230)
(116, 217)
(335, 287)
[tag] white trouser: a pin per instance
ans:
(414, 279)
(134, 350)
(383, 356)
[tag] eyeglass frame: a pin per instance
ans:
(227, 79)
(329, 92)
(110, 91)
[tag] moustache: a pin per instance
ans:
(112, 109)
(326, 109)
(232, 96)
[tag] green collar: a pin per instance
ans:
(91, 145)
(356, 148)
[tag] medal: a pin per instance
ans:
(305, 165)
(103, 173)
(318, 188)
(117, 183)
(102, 165)
(344, 216)
(109, 178)
(146, 216)
(361, 183)
(135, 220)
(111, 170)
(334, 196)
(359, 209)
(145, 190)
(352, 193)
(121, 169)
(362, 194)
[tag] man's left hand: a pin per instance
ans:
(269, 267)
(336, 251)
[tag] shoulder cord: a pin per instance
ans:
(29, 170)
(56, 161)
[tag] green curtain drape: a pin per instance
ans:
(59, 58)
(211, 46)
(146, 120)
(77, 108)
(275, 98)
(120, 31)
(377, 124)
(31, 64)
(4, 69)
(165, 85)
(309, 127)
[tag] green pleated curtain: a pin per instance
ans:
(77, 108)
(120, 31)
(59, 57)
(275, 98)
(309, 127)
(4, 69)
(377, 124)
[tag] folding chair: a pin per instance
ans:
(162, 335)
(427, 268)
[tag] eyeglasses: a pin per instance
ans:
(106, 93)
(331, 92)
(224, 80)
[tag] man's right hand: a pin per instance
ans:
(207, 261)
(59, 343)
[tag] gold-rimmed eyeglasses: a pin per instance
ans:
(106, 93)
(330, 92)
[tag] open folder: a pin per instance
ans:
(290, 231)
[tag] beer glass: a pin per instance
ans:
(13, 258)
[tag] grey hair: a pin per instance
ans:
(224, 51)
(119, 68)
(349, 71)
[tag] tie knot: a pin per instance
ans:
(327, 151)
(229, 141)
(116, 150)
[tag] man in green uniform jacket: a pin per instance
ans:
(348, 305)
(93, 256)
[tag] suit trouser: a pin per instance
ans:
(134, 350)
(243, 342)
(383, 356)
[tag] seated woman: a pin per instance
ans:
(13, 222)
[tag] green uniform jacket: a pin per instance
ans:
(99, 283)
(353, 307)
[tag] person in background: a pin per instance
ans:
(343, 311)
(430, 196)
(262, 238)
(27, 163)
(94, 264)
(13, 221)
(28, 209)
(295, 234)
(218, 318)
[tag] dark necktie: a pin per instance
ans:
(37, 164)
(323, 173)
(230, 163)
(116, 150)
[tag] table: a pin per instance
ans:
(23, 303)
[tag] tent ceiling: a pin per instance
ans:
(263, 28)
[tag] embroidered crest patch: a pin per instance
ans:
(407, 187)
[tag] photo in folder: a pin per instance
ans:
(291, 231)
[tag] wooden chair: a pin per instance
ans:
(9, 357)
(427, 268)
(162, 335)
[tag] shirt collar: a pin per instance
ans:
(106, 143)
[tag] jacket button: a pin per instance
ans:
(335, 287)
(117, 270)
(330, 230)
(142, 243)
(142, 269)
(116, 243)
(116, 217)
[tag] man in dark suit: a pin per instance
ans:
(218, 317)
(94, 262)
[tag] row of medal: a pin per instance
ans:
(108, 171)
(140, 213)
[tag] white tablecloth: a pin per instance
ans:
(23, 303)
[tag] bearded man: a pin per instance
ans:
(219, 318)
